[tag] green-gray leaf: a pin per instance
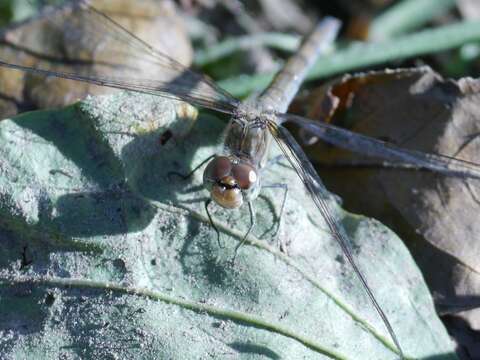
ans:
(103, 255)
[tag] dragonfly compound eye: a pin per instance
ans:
(244, 175)
(226, 179)
(218, 168)
(223, 186)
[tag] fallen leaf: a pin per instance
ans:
(105, 255)
(436, 216)
(60, 40)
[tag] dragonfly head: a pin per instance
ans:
(230, 181)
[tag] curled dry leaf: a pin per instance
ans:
(51, 41)
(436, 216)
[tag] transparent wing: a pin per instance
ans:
(319, 194)
(377, 148)
(112, 56)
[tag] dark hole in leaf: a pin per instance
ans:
(49, 299)
(26, 259)
(165, 137)
(119, 264)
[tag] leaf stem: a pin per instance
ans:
(236, 316)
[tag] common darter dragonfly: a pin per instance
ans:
(234, 176)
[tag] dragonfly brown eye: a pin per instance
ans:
(226, 179)
(244, 175)
(218, 168)
(223, 186)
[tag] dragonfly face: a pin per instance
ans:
(234, 177)
(230, 181)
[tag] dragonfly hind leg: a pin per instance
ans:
(250, 228)
(212, 224)
(284, 187)
(273, 161)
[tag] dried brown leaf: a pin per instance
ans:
(436, 216)
(43, 42)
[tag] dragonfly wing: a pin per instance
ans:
(303, 167)
(119, 59)
(381, 149)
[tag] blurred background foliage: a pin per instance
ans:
(11, 10)
(266, 23)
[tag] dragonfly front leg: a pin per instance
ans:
(212, 224)
(250, 228)
(189, 175)
(208, 201)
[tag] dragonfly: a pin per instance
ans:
(233, 177)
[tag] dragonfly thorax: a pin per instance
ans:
(230, 181)
(248, 139)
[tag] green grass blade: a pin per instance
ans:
(362, 55)
(227, 47)
(407, 15)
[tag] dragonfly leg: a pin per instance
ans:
(252, 224)
(284, 187)
(212, 224)
(189, 175)
(274, 161)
